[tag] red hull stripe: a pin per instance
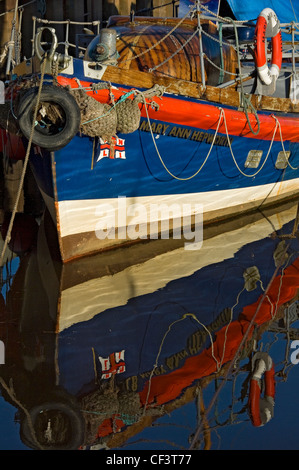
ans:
(206, 116)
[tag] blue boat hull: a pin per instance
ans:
(175, 165)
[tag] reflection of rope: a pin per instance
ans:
(242, 342)
(161, 345)
(268, 298)
(8, 235)
(228, 325)
(281, 279)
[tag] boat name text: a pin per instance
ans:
(185, 133)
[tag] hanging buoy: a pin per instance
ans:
(267, 25)
(261, 409)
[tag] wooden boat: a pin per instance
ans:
(163, 125)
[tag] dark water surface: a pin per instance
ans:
(151, 347)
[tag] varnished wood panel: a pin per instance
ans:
(172, 56)
(195, 90)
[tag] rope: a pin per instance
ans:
(219, 68)
(6, 47)
(212, 144)
(217, 40)
(282, 144)
(225, 20)
(160, 157)
(232, 154)
(221, 76)
(19, 8)
(245, 102)
(8, 235)
(293, 11)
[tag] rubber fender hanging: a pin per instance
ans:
(49, 134)
(71, 422)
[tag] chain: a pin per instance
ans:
(225, 20)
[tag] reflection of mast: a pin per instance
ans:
(281, 263)
(203, 418)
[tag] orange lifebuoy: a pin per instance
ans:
(261, 409)
(267, 25)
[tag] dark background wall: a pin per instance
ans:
(74, 10)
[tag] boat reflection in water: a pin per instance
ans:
(100, 351)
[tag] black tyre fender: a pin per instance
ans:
(58, 137)
(76, 429)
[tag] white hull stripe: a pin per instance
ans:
(82, 216)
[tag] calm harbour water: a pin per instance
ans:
(147, 347)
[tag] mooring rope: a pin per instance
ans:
(234, 158)
(282, 144)
(26, 159)
(160, 157)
